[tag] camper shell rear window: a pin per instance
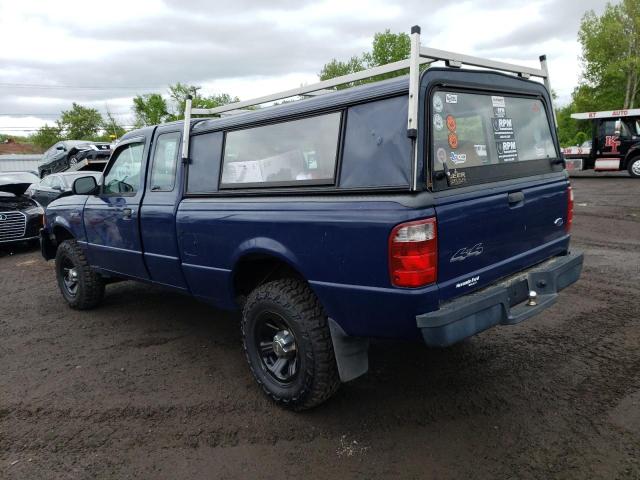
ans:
(485, 137)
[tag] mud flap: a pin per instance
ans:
(352, 353)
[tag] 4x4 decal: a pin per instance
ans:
(465, 253)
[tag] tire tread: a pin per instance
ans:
(295, 295)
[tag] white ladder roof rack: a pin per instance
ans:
(419, 56)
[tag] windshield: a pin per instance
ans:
(477, 137)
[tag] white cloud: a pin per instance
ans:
(247, 47)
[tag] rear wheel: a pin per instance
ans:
(80, 285)
(288, 345)
(634, 167)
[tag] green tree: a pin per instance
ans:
(179, 92)
(386, 48)
(611, 56)
(112, 129)
(570, 131)
(80, 123)
(46, 136)
(150, 109)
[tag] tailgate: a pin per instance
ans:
(482, 238)
(501, 193)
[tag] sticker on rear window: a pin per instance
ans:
(481, 150)
(458, 158)
(438, 123)
(507, 151)
(453, 140)
(437, 103)
(457, 178)
(451, 98)
(503, 128)
(498, 101)
(451, 123)
(499, 112)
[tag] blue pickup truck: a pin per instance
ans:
(327, 222)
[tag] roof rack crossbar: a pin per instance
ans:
(457, 59)
(419, 56)
(314, 87)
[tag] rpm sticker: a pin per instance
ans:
(437, 103)
(451, 123)
(453, 140)
(438, 123)
(503, 128)
(507, 151)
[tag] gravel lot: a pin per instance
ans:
(154, 385)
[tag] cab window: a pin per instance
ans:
(123, 176)
(165, 158)
(289, 153)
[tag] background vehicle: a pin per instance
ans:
(55, 185)
(20, 216)
(69, 153)
(615, 143)
(329, 222)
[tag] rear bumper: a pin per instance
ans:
(503, 303)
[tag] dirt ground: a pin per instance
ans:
(154, 385)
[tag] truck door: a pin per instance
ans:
(111, 218)
(158, 210)
(629, 138)
(609, 142)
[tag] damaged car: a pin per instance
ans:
(20, 217)
(70, 154)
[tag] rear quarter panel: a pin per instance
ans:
(339, 246)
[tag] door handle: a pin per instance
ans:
(515, 198)
(126, 213)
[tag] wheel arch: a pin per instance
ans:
(632, 154)
(257, 267)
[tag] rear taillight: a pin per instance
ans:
(569, 209)
(413, 253)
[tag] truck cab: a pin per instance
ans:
(429, 207)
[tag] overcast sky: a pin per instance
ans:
(101, 54)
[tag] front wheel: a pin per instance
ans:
(80, 285)
(288, 344)
(634, 167)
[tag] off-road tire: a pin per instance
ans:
(90, 284)
(72, 161)
(634, 171)
(317, 378)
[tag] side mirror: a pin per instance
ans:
(60, 147)
(84, 186)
